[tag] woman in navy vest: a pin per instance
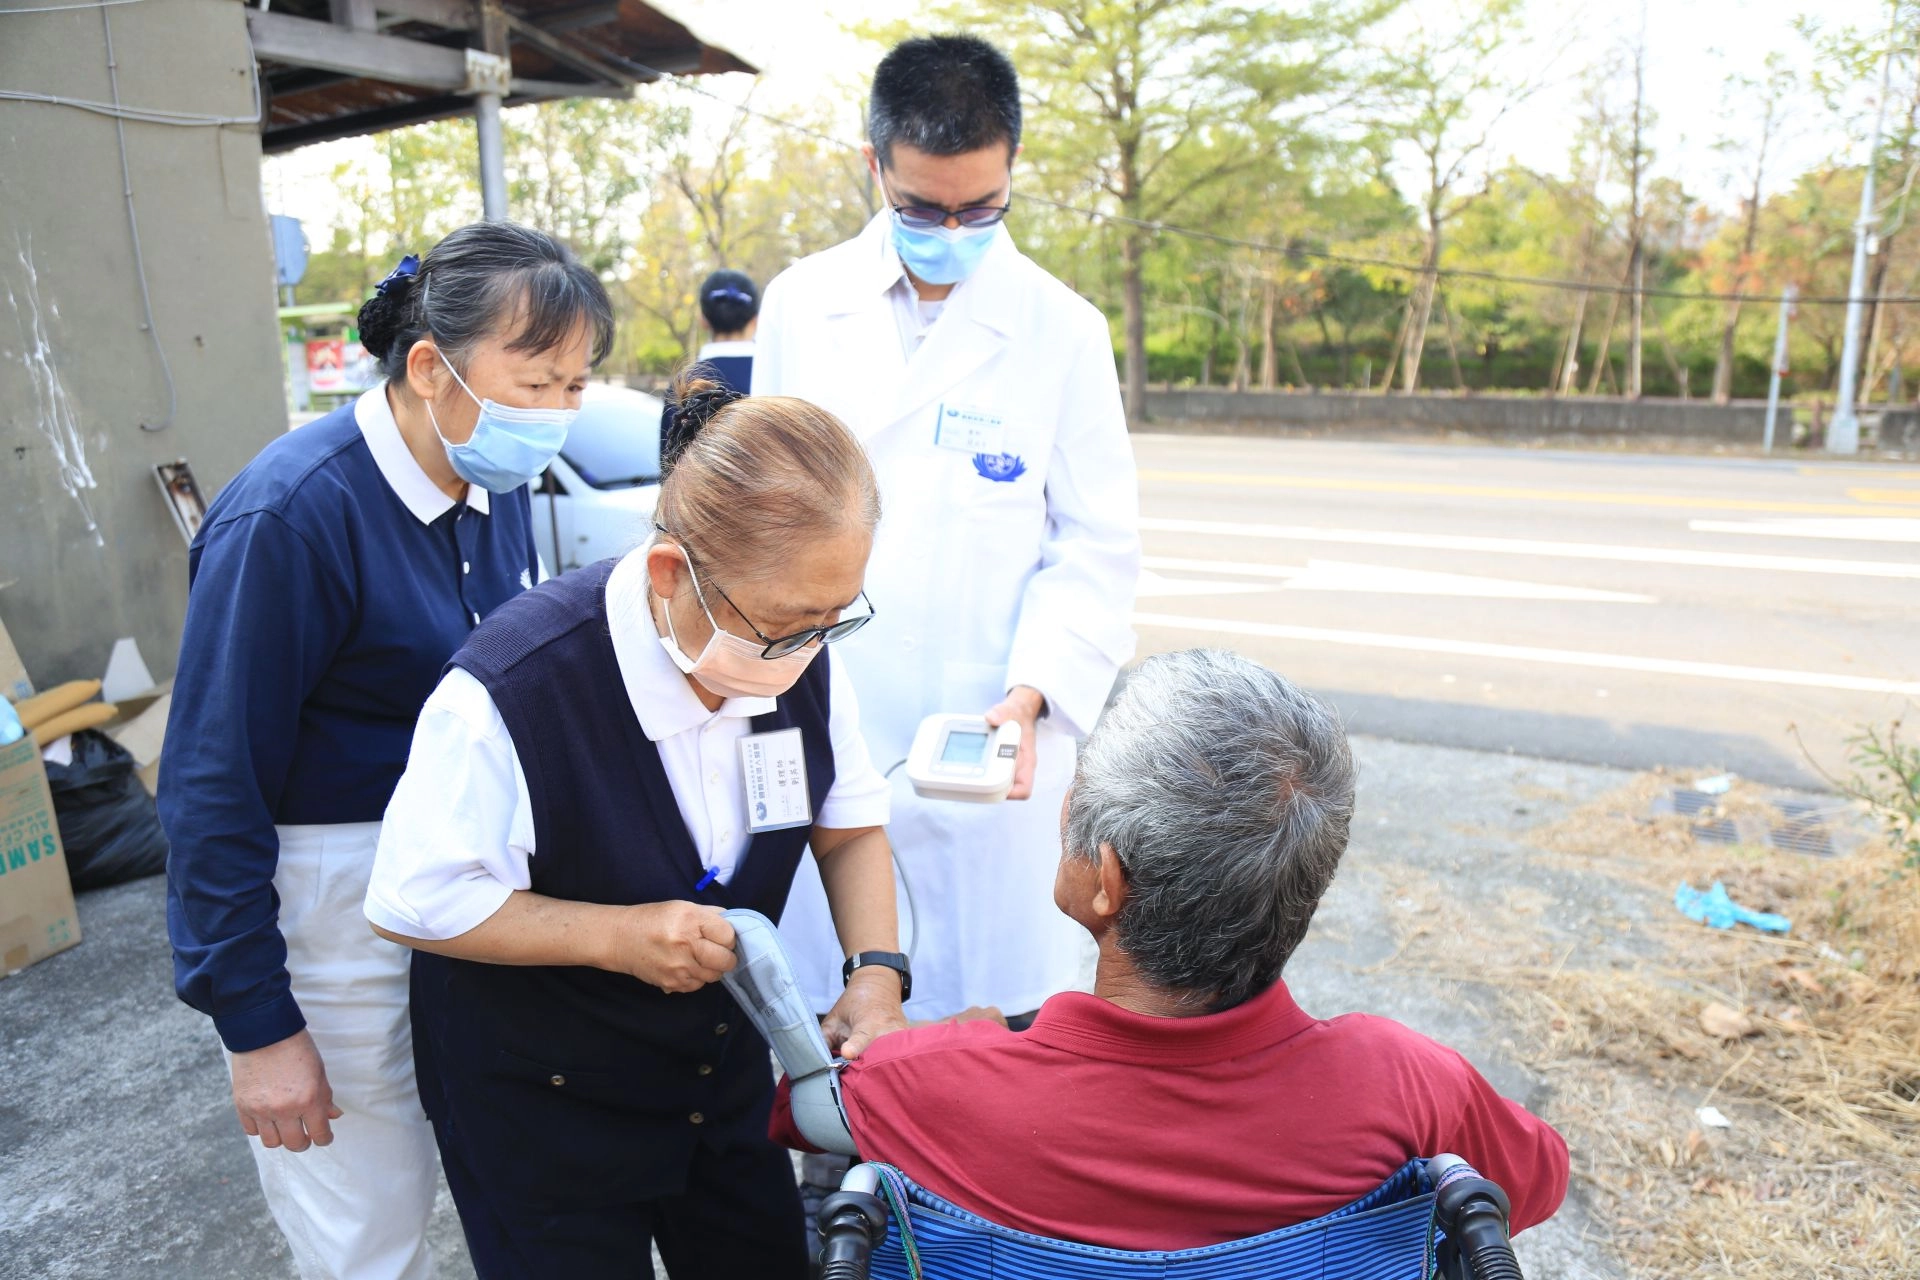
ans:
(611, 761)
(331, 581)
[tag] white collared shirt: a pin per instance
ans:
(458, 832)
(373, 414)
(731, 347)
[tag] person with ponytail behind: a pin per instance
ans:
(329, 584)
(612, 760)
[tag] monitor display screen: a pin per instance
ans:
(964, 748)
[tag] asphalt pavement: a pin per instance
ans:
(1610, 608)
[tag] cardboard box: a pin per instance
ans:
(142, 730)
(14, 684)
(37, 917)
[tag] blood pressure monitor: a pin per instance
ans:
(959, 757)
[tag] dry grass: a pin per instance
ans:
(1820, 1174)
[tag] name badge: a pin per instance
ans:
(775, 768)
(970, 431)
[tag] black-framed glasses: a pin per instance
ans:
(784, 645)
(923, 217)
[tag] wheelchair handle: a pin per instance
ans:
(1473, 1212)
(852, 1221)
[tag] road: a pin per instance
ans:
(1618, 609)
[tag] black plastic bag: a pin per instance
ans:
(108, 825)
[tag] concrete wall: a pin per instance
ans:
(1335, 411)
(88, 551)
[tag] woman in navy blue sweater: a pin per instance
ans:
(330, 583)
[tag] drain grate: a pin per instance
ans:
(1688, 801)
(1803, 826)
(1719, 831)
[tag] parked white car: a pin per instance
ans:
(597, 498)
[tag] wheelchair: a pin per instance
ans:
(1434, 1219)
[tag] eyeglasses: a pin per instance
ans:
(924, 217)
(785, 645)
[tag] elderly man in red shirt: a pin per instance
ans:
(1188, 1100)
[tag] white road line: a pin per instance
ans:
(1857, 529)
(1341, 575)
(1528, 653)
(1532, 547)
(1152, 586)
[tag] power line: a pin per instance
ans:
(1297, 251)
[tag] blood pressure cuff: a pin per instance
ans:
(762, 982)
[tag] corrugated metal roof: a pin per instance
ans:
(625, 40)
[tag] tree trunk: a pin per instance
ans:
(1453, 348)
(1723, 366)
(1133, 250)
(1606, 344)
(1639, 276)
(1241, 369)
(1293, 354)
(1269, 371)
(1417, 316)
(1399, 344)
(1567, 382)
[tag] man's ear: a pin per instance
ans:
(1111, 897)
(873, 160)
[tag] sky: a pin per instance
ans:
(802, 51)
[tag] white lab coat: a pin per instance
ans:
(988, 571)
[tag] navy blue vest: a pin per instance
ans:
(575, 1086)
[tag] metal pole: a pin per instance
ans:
(493, 162)
(1779, 363)
(1844, 435)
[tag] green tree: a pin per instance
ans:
(1143, 109)
(1446, 86)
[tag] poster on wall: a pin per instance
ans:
(337, 366)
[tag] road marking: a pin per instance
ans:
(1529, 653)
(1152, 585)
(1870, 529)
(1854, 469)
(1691, 502)
(1341, 575)
(1904, 496)
(1534, 547)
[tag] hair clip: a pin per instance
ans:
(409, 268)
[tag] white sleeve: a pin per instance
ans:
(1076, 626)
(860, 796)
(459, 829)
(768, 357)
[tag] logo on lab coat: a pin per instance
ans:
(1001, 467)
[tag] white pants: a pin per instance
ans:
(355, 1210)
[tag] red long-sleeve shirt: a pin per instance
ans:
(1134, 1132)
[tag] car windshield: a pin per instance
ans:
(615, 450)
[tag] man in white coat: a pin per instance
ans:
(1003, 573)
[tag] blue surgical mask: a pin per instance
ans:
(509, 447)
(942, 255)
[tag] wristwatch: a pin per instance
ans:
(890, 959)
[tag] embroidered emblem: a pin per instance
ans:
(526, 579)
(1003, 468)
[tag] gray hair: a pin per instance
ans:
(1226, 791)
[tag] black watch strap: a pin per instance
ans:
(893, 960)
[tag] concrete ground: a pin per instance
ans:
(120, 1154)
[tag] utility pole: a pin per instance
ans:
(492, 78)
(1637, 261)
(1844, 435)
(1779, 362)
